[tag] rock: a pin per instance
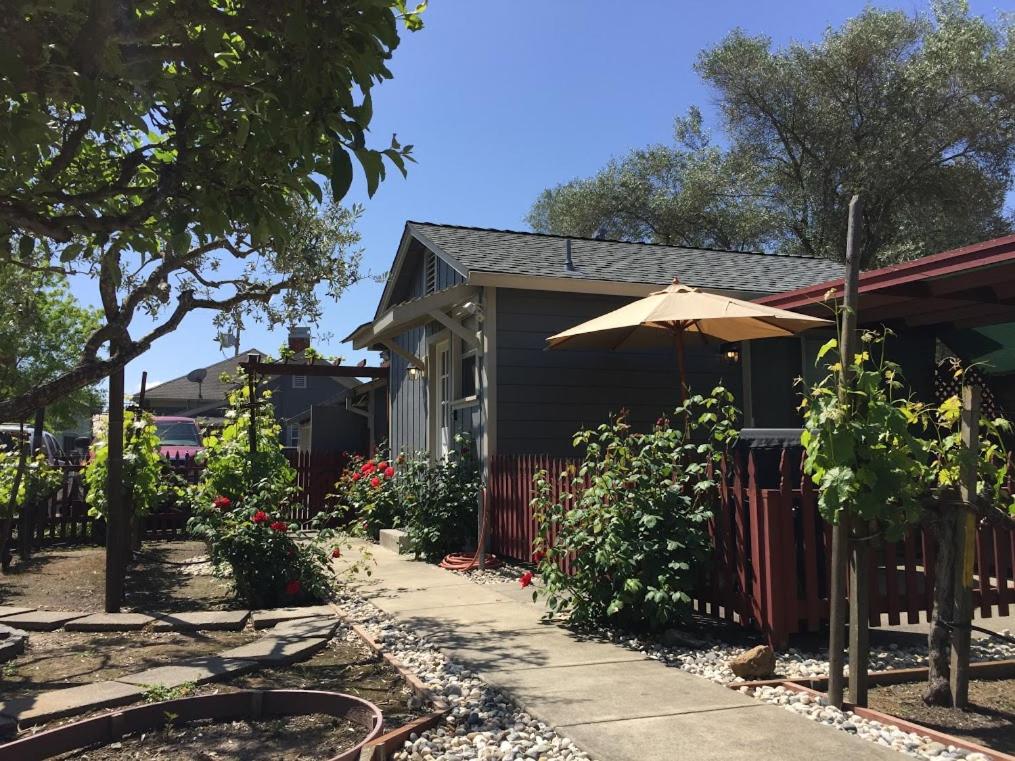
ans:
(756, 663)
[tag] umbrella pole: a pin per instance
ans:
(679, 333)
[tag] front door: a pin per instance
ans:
(444, 393)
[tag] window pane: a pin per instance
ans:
(468, 375)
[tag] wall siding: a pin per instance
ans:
(409, 398)
(543, 397)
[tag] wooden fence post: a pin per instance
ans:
(116, 519)
(840, 530)
(965, 550)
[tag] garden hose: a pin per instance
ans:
(460, 561)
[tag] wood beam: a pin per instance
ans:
(457, 328)
(408, 356)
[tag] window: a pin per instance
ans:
(299, 381)
(467, 377)
(430, 273)
(292, 435)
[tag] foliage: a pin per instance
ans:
(915, 112)
(637, 532)
(158, 693)
(237, 507)
(367, 491)
(230, 470)
(143, 466)
(173, 151)
(440, 500)
(43, 329)
(881, 455)
(40, 478)
(693, 193)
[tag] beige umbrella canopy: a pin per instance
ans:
(666, 317)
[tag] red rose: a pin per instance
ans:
(260, 517)
(375, 482)
(357, 476)
(526, 579)
(382, 465)
(336, 553)
(292, 588)
(222, 503)
(279, 526)
(538, 556)
(368, 468)
(389, 472)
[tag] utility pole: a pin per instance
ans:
(840, 531)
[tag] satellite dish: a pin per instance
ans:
(197, 376)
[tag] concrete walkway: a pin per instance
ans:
(614, 703)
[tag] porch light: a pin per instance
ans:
(730, 354)
(415, 373)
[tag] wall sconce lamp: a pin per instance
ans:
(415, 373)
(730, 354)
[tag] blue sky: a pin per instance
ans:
(504, 99)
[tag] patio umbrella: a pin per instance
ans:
(665, 318)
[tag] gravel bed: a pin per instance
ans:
(505, 573)
(483, 722)
(817, 709)
(709, 659)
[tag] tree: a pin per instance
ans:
(174, 152)
(917, 112)
(42, 331)
(692, 193)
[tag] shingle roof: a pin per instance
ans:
(537, 254)
(211, 388)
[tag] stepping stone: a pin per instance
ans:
(7, 610)
(277, 650)
(265, 619)
(307, 627)
(201, 620)
(42, 620)
(109, 622)
(197, 671)
(55, 704)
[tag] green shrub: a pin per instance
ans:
(637, 535)
(143, 480)
(39, 478)
(440, 501)
(237, 508)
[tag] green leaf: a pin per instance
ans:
(341, 172)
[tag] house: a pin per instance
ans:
(354, 420)
(291, 395)
(465, 314)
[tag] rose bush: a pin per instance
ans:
(366, 493)
(637, 532)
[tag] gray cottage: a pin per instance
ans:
(466, 312)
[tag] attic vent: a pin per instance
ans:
(430, 273)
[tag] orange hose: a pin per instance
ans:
(458, 561)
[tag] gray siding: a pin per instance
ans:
(543, 397)
(409, 398)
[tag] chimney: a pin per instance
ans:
(299, 339)
(568, 264)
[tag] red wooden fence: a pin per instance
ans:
(771, 557)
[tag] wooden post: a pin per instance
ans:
(859, 629)
(252, 392)
(134, 535)
(965, 551)
(116, 517)
(26, 520)
(840, 531)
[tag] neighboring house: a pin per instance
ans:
(466, 312)
(353, 421)
(291, 395)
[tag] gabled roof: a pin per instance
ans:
(212, 388)
(474, 251)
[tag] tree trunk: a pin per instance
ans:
(939, 691)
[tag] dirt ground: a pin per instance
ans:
(73, 578)
(54, 660)
(296, 738)
(989, 720)
(343, 666)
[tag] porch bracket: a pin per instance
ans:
(405, 354)
(457, 328)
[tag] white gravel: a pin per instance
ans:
(482, 724)
(503, 574)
